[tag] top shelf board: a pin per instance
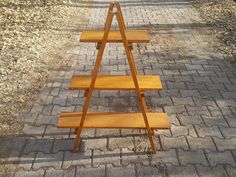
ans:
(133, 36)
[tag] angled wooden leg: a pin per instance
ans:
(152, 130)
(134, 76)
(94, 75)
(98, 45)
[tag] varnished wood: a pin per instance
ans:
(133, 36)
(143, 120)
(94, 76)
(114, 120)
(116, 82)
(130, 57)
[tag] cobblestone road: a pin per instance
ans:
(199, 95)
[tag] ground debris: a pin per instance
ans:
(222, 16)
(33, 37)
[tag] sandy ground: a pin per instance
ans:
(34, 39)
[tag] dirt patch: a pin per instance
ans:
(222, 16)
(34, 40)
(33, 44)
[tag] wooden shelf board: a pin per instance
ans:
(114, 120)
(133, 36)
(116, 82)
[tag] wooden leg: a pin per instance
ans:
(94, 75)
(98, 45)
(130, 46)
(77, 140)
(134, 76)
(86, 93)
(76, 129)
(152, 131)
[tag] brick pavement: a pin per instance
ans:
(199, 95)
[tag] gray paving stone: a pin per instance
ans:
(192, 157)
(107, 132)
(28, 117)
(204, 102)
(51, 172)
(230, 170)
(48, 160)
(176, 85)
(55, 91)
(217, 86)
(128, 156)
(225, 102)
(77, 159)
(26, 160)
(54, 132)
(189, 93)
(58, 109)
(175, 109)
(22, 173)
(225, 144)
(60, 101)
(162, 133)
(183, 101)
(151, 171)
(223, 80)
(47, 109)
(12, 158)
(86, 133)
(128, 171)
(173, 119)
(201, 110)
(159, 101)
(183, 131)
(228, 95)
(219, 158)
(231, 121)
(190, 120)
(90, 172)
(174, 142)
(49, 100)
(228, 132)
(46, 120)
(200, 143)
(214, 120)
(62, 145)
(210, 94)
(35, 145)
(106, 157)
(211, 172)
(181, 171)
(142, 143)
(36, 108)
(167, 157)
(208, 131)
(130, 132)
(99, 143)
(121, 142)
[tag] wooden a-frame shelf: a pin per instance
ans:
(116, 83)
(141, 120)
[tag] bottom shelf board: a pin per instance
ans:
(116, 82)
(113, 120)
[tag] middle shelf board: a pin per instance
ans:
(116, 82)
(133, 36)
(114, 120)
